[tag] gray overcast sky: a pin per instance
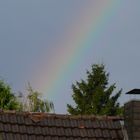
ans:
(30, 30)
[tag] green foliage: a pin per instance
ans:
(34, 103)
(93, 96)
(8, 100)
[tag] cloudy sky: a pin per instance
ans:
(51, 44)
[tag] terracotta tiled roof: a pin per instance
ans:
(43, 126)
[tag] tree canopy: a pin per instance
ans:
(34, 103)
(94, 95)
(8, 100)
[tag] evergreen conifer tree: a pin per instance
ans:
(94, 96)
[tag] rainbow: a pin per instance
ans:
(76, 42)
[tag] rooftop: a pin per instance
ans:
(134, 91)
(44, 126)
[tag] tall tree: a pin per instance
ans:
(94, 96)
(34, 103)
(8, 100)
